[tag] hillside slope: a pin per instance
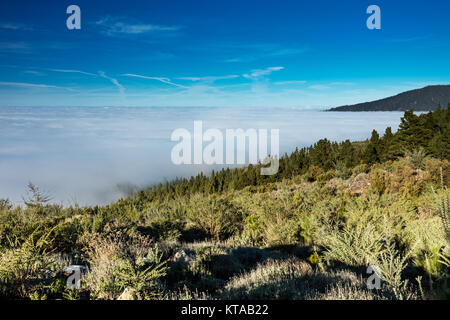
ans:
(424, 99)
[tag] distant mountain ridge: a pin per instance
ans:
(424, 99)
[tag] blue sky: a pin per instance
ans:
(219, 53)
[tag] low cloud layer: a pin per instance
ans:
(97, 155)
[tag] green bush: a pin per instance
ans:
(122, 261)
(25, 267)
(417, 158)
(314, 173)
(164, 229)
(216, 216)
(378, 181)
(352, 246)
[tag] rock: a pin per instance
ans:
(128, 294)
(181, 255)
(359, 184)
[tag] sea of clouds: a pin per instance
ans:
(95, 155)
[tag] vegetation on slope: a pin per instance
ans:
(424, 99)
(309, 232)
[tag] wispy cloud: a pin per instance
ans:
(15, 26)
(408, 39)
(342, 83)
(31, 85)
(289, 82)
(209, 78)
(326, 86)
(285, 52)
(115, 82)
(319, 87)
(257, 73)
(261, 51)
(34, 72)
(163, 80)
(113, 26)
(73, 71)
(14, 46)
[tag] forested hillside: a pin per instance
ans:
(424, 99)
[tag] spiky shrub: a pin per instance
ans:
(378, 180)
(417, 158)
(313, 173)
(122, 260)
(439, 171)
(308, 229)
(361, 168)
(352, 246)
(428, 234)
(216, 262)
(439, 261)
(278, 226)
(280, 231)
(390, 263)
(365, 245)
(406, 180)
(430, 261)
(142, 275)
(165, 229)
(341, 170)
(253, 232)
(24, 266)
(217, 217)
(442, 208)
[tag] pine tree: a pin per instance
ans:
(372, 150)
